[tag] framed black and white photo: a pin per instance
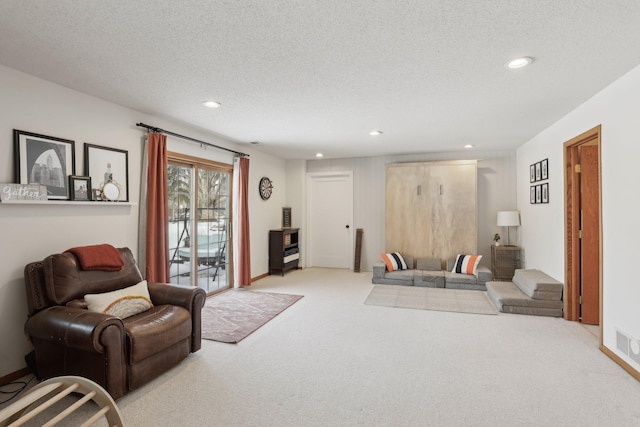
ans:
(45, 160)
(80, 187)
(538, 171)
(109, 170)
(544, 166)
(545, 192)
(538, 193)
(532, 195)
(532, 173)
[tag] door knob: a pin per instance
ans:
(347, 226)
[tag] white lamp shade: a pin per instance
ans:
(508, 218)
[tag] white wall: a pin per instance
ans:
(496, 191)
(297, 201)
(32, 232)
(265, 214)
(617, 109)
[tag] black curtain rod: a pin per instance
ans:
(159, 130)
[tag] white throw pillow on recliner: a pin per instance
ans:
(122, 303)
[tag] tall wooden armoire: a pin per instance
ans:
(431, 208)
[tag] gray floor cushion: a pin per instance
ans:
(429, 279)
(537, 285)
(466, 279)
(510, 299)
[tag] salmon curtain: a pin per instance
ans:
(242, 258)
(157, 216)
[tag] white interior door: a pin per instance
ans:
(330, 219)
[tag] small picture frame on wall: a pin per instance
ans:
(80, 187)
(532, 195)
(109, 171)
(545, 192)
(532, 173)
(538, 194)
(538, 171)
(544, 169)
(45, 160)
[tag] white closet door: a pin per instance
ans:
(330, 219)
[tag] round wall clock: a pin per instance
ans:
(265, 188)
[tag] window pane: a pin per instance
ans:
(213, 225)
(199, 214)
(179, 185)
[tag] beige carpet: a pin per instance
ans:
(330, 360)
(456, 300)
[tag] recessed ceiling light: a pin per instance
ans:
(469, 146)
(212, 104)
(519, 62)
(375, 132)
(319, 155)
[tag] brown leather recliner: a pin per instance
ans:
(119, 354)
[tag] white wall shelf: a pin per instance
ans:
(66, 203)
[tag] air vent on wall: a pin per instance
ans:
(628, 345)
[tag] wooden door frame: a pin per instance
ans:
(572, 223)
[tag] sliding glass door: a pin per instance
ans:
(199, 223)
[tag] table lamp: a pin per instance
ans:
(508, 219)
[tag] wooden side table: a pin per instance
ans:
(504, 261)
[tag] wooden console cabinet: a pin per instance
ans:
(284, 253)
(504, 261)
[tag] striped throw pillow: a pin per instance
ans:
(394, 261)
(466, 264)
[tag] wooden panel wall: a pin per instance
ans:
(431, 209)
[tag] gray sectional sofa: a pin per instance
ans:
(530, 292)
(466, 281)
(400, 277)
(428, 273)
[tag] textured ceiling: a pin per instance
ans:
(307, 76)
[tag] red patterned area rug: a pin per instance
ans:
(232, 315)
